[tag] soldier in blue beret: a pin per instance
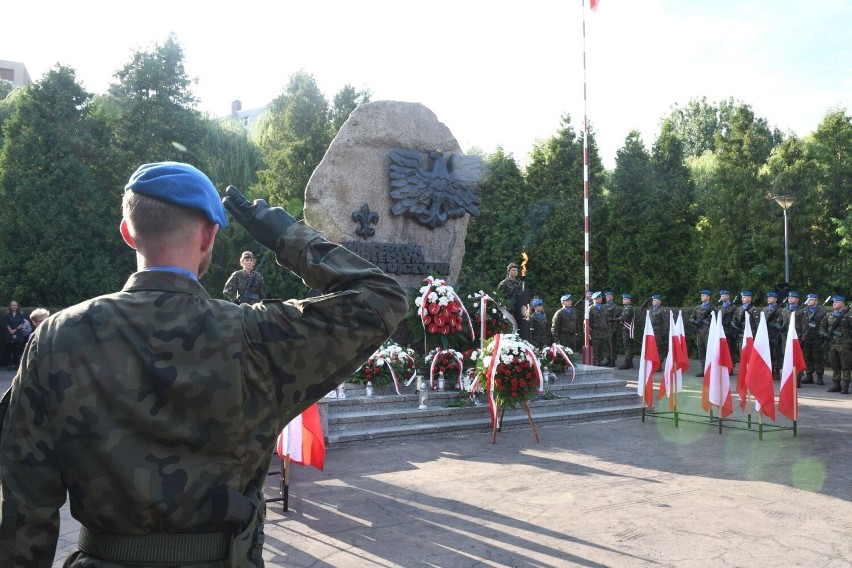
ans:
(809, 320)
(745, 310)
(660, 324)
(599, 330)
(627, 322)
(611, 311)
(163, 404)
(539, 325)
(726, 311)
(836, 330)
(567, 324)
(774, 325)
(700, 320)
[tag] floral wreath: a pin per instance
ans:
(440, 309)
(442, 361)
(510, 369)
(491, 321)
(556, 356)
(388, 363)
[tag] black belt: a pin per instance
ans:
(153, 549)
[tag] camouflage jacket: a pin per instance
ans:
(774, 321)
(566, 327)
(539, 330)
(660, 324)
(746, 311)
(836, 327)
(140, 404)
(726, 313)
(808, 324)
(598, 323)
(235, 287)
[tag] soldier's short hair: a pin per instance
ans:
(152, 220)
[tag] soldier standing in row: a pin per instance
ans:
(700, 320)
(612, 312)
(567, 324)
(627, 322)
(836, 329)
(726, 314)
(774, 324)
(660, 324)
(539, 325)
(599, 327)
(235, 288)
(809, 320)
(745, 310)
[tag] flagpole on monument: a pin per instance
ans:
(587, 348)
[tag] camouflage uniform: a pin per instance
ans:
(738, 322)
(836, 328)
(660, 324)
(566, 327)
(808, 323)
(627, 322)
(700, 320)
(143, 404)
(539, 330)
(726, 314)
(774, 325)
(235, 287)
(612, 312)
(599, 328)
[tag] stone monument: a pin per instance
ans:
(395, 188)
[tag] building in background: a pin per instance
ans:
(15, 72)
(246, 118)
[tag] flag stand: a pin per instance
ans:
(498, 425)
(283, 486)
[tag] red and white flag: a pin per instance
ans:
(794, 363)
(593, 4)
(649, 363)
(672, 381)
(302, 439)
(720, 374)
(758, 376)
(709, 365)
(745, 352)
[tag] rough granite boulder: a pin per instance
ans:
(354, 171)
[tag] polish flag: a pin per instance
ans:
(302, 439)
(593, 4)
(682, 351)
(720, 384)
(745, 353)
(794, 363)
(672, 375)
(649, 363)
(709, 369)
(758, 377)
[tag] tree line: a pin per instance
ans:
(695, 211)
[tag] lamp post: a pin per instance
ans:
(785, 201)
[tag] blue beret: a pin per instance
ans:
(838, 299)
(596, 295)
(609, 293)
(771, 295)
(537, 303)
(723, 292)
(179, 184)
(628, 296)
(793, 294)
(565, 297)
(705, 292)
(657, 297)
(813, 296)
(746, 293)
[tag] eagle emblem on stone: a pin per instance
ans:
(434, 187)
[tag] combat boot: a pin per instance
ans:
(845, 389)
(819, 380)
(809, 379)
(835, 387)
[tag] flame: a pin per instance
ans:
(525, 258)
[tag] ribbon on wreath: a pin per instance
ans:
(394, 377)
(435, 362)
(556, 348)
(492, 369)
(482, 315)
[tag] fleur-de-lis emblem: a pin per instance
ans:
(365, 217)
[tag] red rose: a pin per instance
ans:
(427, 320)
(433, 309)
(514, 395)
(433, 328)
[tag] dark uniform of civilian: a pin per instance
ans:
(235, 287)
(612, 312)
(627, 323)
(156, 408)
(726, 314)
(809, 320)
(660, 324)
(700, 320)
(599, 329)
(746, 310)
(836, 329)
(567, 324)
(539, 325)
(774, 324)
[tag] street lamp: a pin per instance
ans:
(785, 201)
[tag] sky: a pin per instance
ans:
(496, 73)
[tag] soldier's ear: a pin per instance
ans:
(125, 234)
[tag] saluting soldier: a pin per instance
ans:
(155, 409)
(660, 324)
(700, 320)
(627, 322)
(836, 329)
(567, 324)
(811, 340)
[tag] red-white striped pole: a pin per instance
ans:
(587, 347)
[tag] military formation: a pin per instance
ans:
(825, 334)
